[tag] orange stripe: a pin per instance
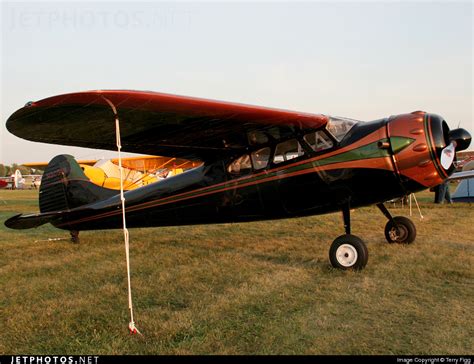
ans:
(373, 163)
(372, 137)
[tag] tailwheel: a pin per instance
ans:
(348, 252)
(400, 230)
(74, 236)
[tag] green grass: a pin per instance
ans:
(255, 288)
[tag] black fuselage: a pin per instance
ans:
(210, 194)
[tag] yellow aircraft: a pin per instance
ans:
(137, 171)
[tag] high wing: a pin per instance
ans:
(144, 163)
(151, 163)
(43, 165)
(152, 123)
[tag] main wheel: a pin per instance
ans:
(348, 252)
(400, 230)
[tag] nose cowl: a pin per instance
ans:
(428, 159)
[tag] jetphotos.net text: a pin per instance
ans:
(59, 359)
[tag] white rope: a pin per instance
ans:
(410, 202)
(50, 239)
(418, 206)
(131, 326)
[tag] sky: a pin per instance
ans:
(363, 60)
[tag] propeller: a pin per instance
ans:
(448, 154)
(459, 140)
(17, 179)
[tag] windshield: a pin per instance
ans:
(339, 127)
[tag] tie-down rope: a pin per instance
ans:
(418, 206)
(131, 325)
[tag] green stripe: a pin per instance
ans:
(364, 152)
(399, 143)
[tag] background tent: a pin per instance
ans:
(465, 190)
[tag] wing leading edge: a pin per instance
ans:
(151, 123)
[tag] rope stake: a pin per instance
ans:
(131, 326)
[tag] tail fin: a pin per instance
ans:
(64, 186)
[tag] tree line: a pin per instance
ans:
(6, 171)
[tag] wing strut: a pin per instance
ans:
(131, 325)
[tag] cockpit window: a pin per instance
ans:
(240, 166)
(260, 158)
(318, 140)
(339, 127)
(287, 150)
(257, 137)
(280, 132)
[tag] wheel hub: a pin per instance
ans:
(398, 233)
(346, 255)
(393, 233)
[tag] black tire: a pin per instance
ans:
(74, 236)
(400, 230)
(348, 252)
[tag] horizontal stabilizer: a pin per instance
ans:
(29, 221)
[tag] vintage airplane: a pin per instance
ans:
(18, 181)
(137, 171)
(258, 163)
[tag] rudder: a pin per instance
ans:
(64, 186)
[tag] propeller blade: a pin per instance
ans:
(17, 179)
(447, 155)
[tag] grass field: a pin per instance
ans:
(255, 288)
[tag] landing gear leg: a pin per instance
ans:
(348, 251)
(399, 229)
(346, 217)
(74, 236)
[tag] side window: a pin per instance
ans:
(260, 158)
(318, 141)
(240, 166)
(287, 150)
